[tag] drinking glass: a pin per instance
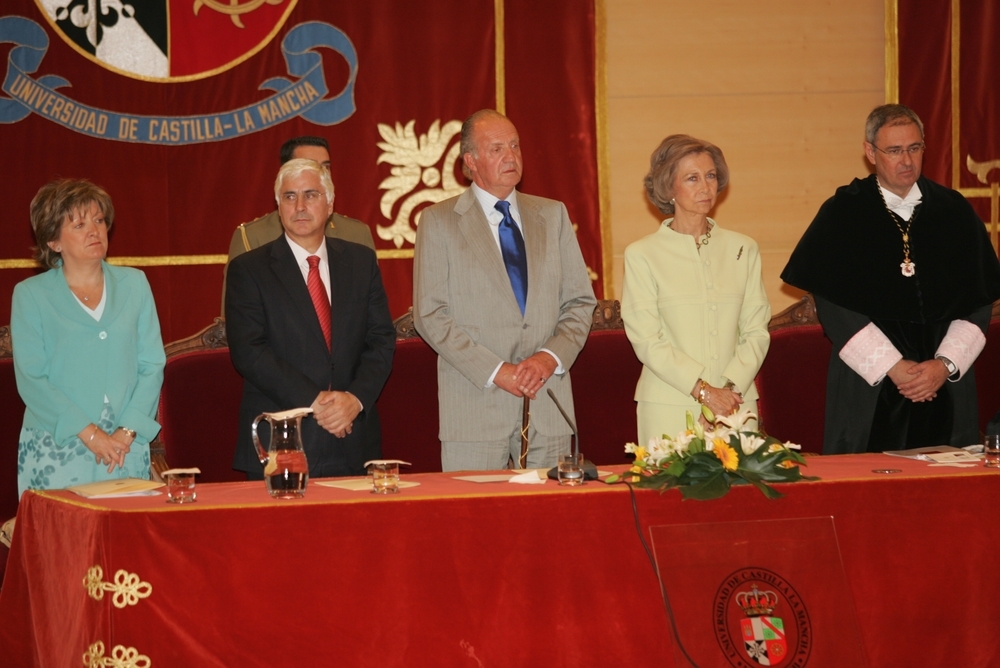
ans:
(385, 477)
(570, 470)
(180, 488)
(991, 451)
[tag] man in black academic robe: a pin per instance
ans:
(904, 277)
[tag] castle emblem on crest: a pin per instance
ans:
(763, 634)
(423, 172)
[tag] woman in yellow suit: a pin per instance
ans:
(693, 301)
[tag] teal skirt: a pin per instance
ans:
(44, 464)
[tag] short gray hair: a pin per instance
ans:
(467, 144)
(663, 163)
(890, 114)
(298, 166)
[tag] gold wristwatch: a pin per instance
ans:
(129, 432)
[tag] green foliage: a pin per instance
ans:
(696, 461)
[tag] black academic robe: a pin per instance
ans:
(849, 258)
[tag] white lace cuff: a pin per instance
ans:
(962, 345)
(870, 354)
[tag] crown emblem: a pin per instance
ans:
(757, 603)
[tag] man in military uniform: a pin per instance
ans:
(256, 233)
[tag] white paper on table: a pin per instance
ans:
(502, 477)
(532, 477)
(488, 477)
(105, 489)
(194, 471)
(359, 485)
(934, 453)
(960, 457)
(122, 495)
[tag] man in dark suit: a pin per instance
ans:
(308, 325)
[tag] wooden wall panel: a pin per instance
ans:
(782, 87)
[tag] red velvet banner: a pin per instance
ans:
(947, 74)
(182, 123)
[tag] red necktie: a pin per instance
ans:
(318, 294)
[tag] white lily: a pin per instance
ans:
(737, 420)
(750, 442)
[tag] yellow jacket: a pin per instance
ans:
(691, 314)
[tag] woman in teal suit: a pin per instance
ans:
(693, 301)
(88, 357)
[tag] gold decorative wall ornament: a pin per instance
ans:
(981, 169)
(128, 588)
(234, 8)
(419, 175)
(121, 657)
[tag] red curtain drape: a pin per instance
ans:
(420, 66)
(927, 39)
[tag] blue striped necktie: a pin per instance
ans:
(514, 257)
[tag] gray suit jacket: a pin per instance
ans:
(464, 307)
(266, 229)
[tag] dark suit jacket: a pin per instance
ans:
(277, 346)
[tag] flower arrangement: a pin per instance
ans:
(706, 462)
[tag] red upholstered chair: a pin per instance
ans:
(987, 370)
(792, 380)
(11, 417)
(604, 378)
(199, 407)
(408, 405)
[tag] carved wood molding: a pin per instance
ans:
(213, 336)
(802, 312)
(6, 348)
(404, 326)
(608, 315)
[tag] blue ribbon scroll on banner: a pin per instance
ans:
(305, 95)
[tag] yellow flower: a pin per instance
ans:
(640, 452)
(730, 460)
(636, 469)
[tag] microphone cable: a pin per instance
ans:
(663, 589)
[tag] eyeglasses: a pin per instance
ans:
(310, 196)
(898, 151)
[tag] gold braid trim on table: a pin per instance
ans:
(121, 657)
(128, 588)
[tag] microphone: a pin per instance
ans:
(589, 470)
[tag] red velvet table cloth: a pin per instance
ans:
(453, 573)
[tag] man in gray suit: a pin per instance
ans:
(501, 293)
(265, 229)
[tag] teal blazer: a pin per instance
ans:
(65, 362)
